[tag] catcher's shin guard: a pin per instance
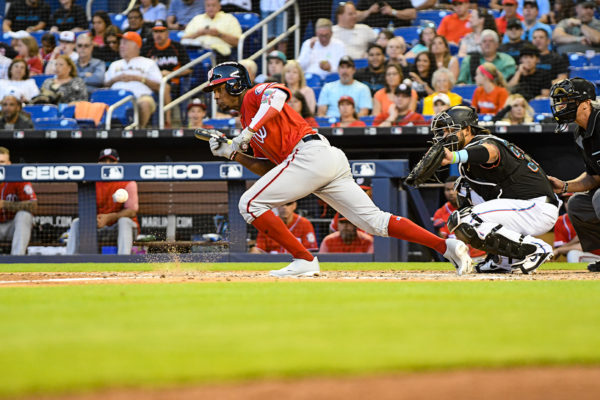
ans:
(488, 236)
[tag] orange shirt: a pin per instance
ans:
(302, 230)
(357, 123)
(277, 137)
(105, 203)
(489, 103)
(454, 28)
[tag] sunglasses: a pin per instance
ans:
(112, 42)
(83, 45)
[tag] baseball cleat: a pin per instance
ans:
(492, 265)
(594, 267)
(533, 261)
(297, 268)
(458, 253)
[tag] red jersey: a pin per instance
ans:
(357, 123)
(363, 243)
(14, 191)
(563, 231)
(454, 28)
(411, 118)
(104, 201)
(276, 137)
(302, 230)
(440, 217)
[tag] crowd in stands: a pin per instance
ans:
(387, 57)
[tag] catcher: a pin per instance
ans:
(505, 198)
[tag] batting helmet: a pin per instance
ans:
(565, 97)
(234, 75)
(446, 125)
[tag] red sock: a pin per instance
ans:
(405, 229)
(273, 227)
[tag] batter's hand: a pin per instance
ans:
(240, 142)
(221, 149)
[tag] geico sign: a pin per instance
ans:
(171, 171)
(58, 173)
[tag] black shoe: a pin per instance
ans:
(594, 267)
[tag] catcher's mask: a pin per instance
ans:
(565, 97)
(233, 74)
(446, 125)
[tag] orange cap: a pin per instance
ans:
(134, 37)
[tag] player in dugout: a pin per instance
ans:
(295, 161)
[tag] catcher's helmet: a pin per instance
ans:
(234, 75)
(446, 125)
(565, 97)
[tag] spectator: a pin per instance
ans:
(441, 51)
(514, 45)
(373, 75)
(384, 98)
(578, 34)
(528, 80)
(196, 111)
(481, 19)
(293, 78)
(456, 25)
(69, 17)
(422, 72)
(114, 219)
(425, 38)
(347, 240)
(489, 53)
(48, 46)
(19, 83)
(66, 47)
(300, 105)
(556, 65)
(443, 82)
(562, 9)
(112, 40)
(544, 6)
(135, 23)
(153, 10)
(181, 12)
(383, 37)
(276, 60)
(356, 37)
(345, 86)
(26, 15)
(399, 112)
(386, 13)
(13, 116)
(531, 21)
(251, 67)
(395, 50)
(348, 116)
(510, 11)
(4, 65)
(491, 93)
(441, 102)
(28, 50)
(276, 26)
(169, 55)
(300, 227)
(66, 83)
(319, 9)
(517, 110)
(213, 30)
(321, 55)
(18, 203)
(138, 74)
(100, 23)
(90, 69)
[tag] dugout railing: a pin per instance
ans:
(232, 180)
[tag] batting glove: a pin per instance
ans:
(240, 142)
(221, 149)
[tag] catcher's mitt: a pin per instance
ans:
(427, 166)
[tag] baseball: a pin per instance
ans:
(120, 196)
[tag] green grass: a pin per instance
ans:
(75, 338)
(371, 266)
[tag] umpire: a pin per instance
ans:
(574, 100)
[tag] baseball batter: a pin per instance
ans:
(293, 162)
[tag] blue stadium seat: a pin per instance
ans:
(39, 79)
(331, 77)
(368, 119)
(221, 123)
(55, 123)
(577, 60)
(409, 33)
(317, 91)
(175, 35)
(591, 74)
(464, 91)
(594, 61)
(247, 19)
(361, 63)
(123, 113)
(42, 111)
(5, 38)
(453, 48)
(313, 80)
(326, 121)
(435, 16)
(541, 106)
(66, 111)
(117, 19)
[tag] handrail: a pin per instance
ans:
(186, 96)
(114, 106)
(167, 78)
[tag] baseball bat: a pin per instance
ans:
(207, 134)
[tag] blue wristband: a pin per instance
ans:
(459, 157)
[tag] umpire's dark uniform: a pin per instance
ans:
(584, 208)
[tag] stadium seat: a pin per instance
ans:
(594, 61)
(331, 77)
(317, 91)
(453, 48)
(464, 91)
(55, 123)
(66, 111)
(361, 63)
(42, 111)
(368, 119)
(577, 60)
(5, 38)
(409, 33)
(326, 121)
(313, 80)
(221, 123)
(541, 106)
(434, 16)
(175, 35)
(39, 79)
(591, 74)
(247, 19)
(123, 113)
(117, 19)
